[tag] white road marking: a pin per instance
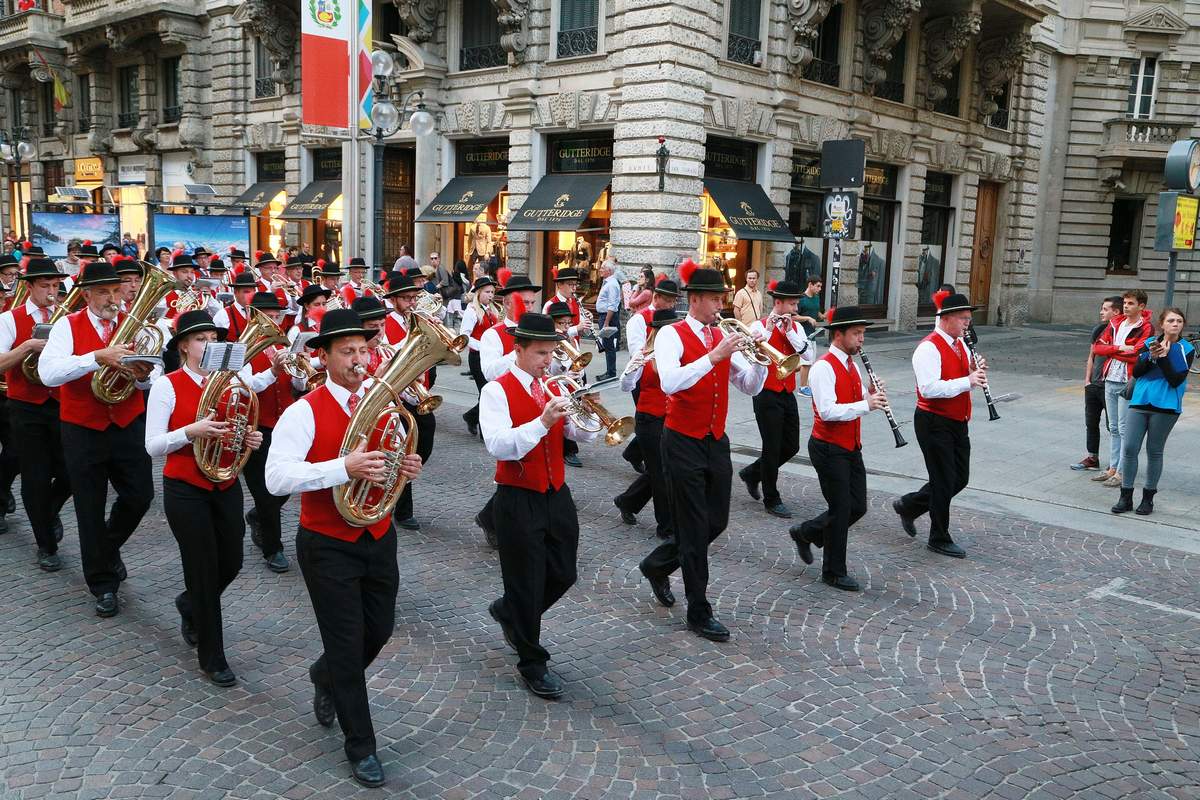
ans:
(1110, 590)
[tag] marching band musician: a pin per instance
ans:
(33, 413)
(477, 317)
(130, 272)
(106, 442)
(535, 517)
(664, 296)
(566, 281)
(183, 267)
(372, 311)
(109, 251)
(402, 292)
(835, 446)
(641, 377)
(312, 307)
(563, 318)
(202, 258)
(354, 289)
(9, 460)
(10, 272)
(695, 366)
(775, 408)
(945, 377)
(205, 517)
(233, 317)
(237, 261)
(219, 273)
(274, 388)
(328, 274)
(350, 572)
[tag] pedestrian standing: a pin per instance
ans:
(1093, 389)
(747, 301)
(608, 309)
(1119, 345)
(809, 314)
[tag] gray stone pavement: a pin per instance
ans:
(1053, 662)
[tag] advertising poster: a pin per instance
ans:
(216, 232)
(53, 229)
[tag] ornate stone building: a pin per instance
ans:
(572, 129)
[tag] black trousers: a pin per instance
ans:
(45, 486)
(10, 465)
(209, 529)
(779, 429)
(472, 415)
(650, 485)
(539, 539)
(1093, 408)
(947, 451)
(98, 458)
(352, 586)
(267, 507)
(698, 473)
(843, 479)
(633, 450)
(426, 429)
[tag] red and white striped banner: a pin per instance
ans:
(326, 31)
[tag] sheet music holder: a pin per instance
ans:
(41, 331)
(223, 357)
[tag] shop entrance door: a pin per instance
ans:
(980, 283)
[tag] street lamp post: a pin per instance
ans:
(386, 119)
(14, 150)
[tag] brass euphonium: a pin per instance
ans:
(429, 308)
(570, 356)
(112, 385)
(20, 294)
(230, 400)
(761, 352)
(427, 402)
(587, 413)
(29, 366)
(376, 424)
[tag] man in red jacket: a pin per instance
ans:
(1119, 346)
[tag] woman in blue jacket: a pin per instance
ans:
(1161, 372)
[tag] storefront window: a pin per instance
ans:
(487, 235)
(585, 247)
(936, 217)
(807, 255)
(720, 247)
(876, 231)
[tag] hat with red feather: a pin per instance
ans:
(845, 317)
(261, 259)
(236, 252)
(700, 279)
(784, 290)
(510, 283)
(665, 286)
(946, 302)
(180, 259)
(88, 250)
(565, 274)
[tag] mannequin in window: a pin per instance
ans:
(583, 252)
(482, 239)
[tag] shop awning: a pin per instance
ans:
(257, 197)
(748, 210)
(313, 201)
(463, 198)
(559, 203)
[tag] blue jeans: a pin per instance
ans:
(1117, 408)
(1155, 426)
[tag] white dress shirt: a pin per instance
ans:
(674, 377)
(221, 319)
(822, 381)
(286, 471)
(1117, 370)
(8, 325)
(470, 318)
(160, 404)
(795, 335)
(572, 331)
(58, 363)
(927, 365)
(635, 333)
(492, 359)
(508, 443)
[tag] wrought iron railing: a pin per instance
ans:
(264, 87)
(999, 119)
(481, 57)
(128, 119)
(578, 42)
(948, 105)
(172, 114)
(821, 71)
(85, 124)
(891, 90)
(743, 49)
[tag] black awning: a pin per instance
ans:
(463, 198)
(559, 202)
(748, 210)
(313, 201)
(257, 197)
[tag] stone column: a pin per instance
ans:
(520, 179)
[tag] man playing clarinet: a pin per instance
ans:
(945, 377)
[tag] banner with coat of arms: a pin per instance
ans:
(326, 30)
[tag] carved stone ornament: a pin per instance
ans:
(999, 60)
(514, 37)
(885, 23)
(145, 135)
(420, 17)
(946, 38)
(804, 20)
(275, 25)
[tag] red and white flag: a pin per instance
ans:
(326, 32)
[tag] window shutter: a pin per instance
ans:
(744, 18)
(577, 14)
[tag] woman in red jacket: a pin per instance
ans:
(1119, 345)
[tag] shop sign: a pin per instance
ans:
(482, 158)
(730, 159)
(839, 215)
(327, 164)
(271, 166)
(937, 189)
(89, 170)
(880, 181)
(131, 171)
(582, 154)
(806, 171)
(1176, 223)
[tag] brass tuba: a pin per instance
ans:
(429, 307)
(570, 356)
(761, 352)
(29, 366)
(427, 402)
(377, 420)
(114, 385)
(587, 413)
(231, 400)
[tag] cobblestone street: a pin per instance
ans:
(1051, 663)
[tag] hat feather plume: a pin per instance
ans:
(518, 307)
(831, 314)
(258, 255)
(771, 286)
(658, 281)
(939, 297)
(176, 253)
(26, 245)
(503, 275)
(232, 248)
(321, 263)
(554, 273)
(686, 270)
(315, 314)
(87, 242)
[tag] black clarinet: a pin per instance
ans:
(887, 410)
(993, 414)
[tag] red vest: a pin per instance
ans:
(847, 388)
(78, 405)
(700, 410)
(953, 366)
(651, 399)
(779, 341)
(237, 322)
(393, 331)
(181, 463)
(317, 510)
(648, 315)
(482, 325)
(19, 388)
(542, 467)
(507, 342)
(572, 304)
(275, 398)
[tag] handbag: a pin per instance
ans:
(1127, 392)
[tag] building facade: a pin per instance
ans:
(570, 130)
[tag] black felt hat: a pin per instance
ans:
(267, 301)
(482, 282)
(217, 265)
(369, 308)
(518, 283)
(400, 282)
(338, 323)
(538, 327)
(180, 261)
(566, 274)
(947, 302)
(666, 286)
(845, 317)
(234, 252)
(700, 279)
(312, 292)
(88, 250)
(560, 309)
(784, 290)
(663, 317)
(129, 266)
(244, 280)
(356, 263)
(191, 322)
(200, 251)
(37, 268)
(98, 273)
(328, 269)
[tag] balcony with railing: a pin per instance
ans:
(744, 50)
(264, 87)
(1142, 138)
(482, 57)
(128, 119)
(821, 71)
(171, 114)
(578, 42)
(23, 29)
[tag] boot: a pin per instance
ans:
(1146, 507)
(1125, 503)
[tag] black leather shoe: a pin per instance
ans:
(10, 502)
(472, 427)
(547, 686)
(368, 772)
(802, 545)
(489, 532)
(572, 460)
(1146, 507)
(187, 630)
(255, 533)
(410, 524)
(779, 510)
(277, 562)
(626, 517)
(107, 605)
(661, 588)
(843, 582)
(710, 629)
(947, 549)
(751, 484)
(905, 521)
(49, 562)
(323, 708)
(58, 529)
(222, 677)
(505, 628)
